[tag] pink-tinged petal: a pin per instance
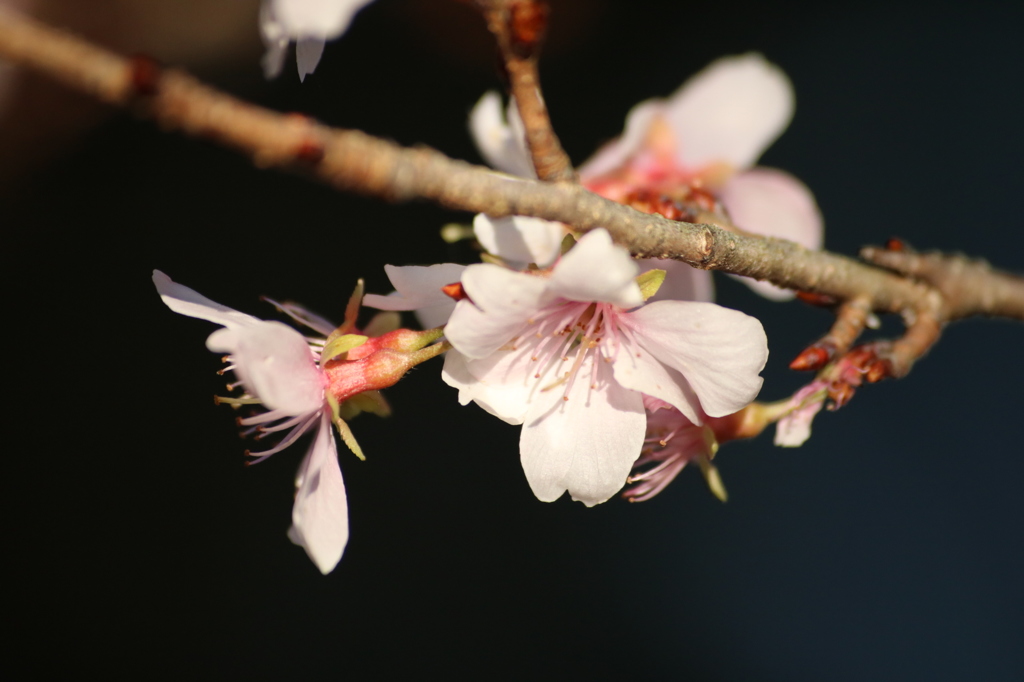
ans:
(775, 204)
(616, 153)
(320, 514)
(585, 445)
(324, 19)
(501, 303)
(506, 400)
(519, 239)
(502, 145)
(647, 375)
(275, 364)
(419, 288)
(682, 282)
(307, 55)
(597, 270)
(730, 112)
(794, 429)
(720, 351)
(189, 302)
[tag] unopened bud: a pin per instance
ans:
(812, 358)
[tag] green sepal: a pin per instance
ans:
(343, 429)
(568, 241)
(649, 282)
(367, 401)
(340, 345)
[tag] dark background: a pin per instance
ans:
(887, 548)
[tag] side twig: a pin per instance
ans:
(519, 27)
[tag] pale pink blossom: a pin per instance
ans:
(704, 138)
(570, 353)
(672, 442)
(308, 23)
(279, 368)
(794, 429)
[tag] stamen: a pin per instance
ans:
(287, 440)
(217, 400)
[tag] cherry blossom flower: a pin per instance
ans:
(569, 354)
(697, 147)
(310, 23)
(279, 368)
(672, 442)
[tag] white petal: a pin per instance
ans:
(506, 400)
(775, 204)
(682, 282)
(501, 144)
(597, 270)
(586, 444)
(730, 112)
(320, 514)
(419, 288)
(616, 153)
(501, 303)
(324, 19)
(307, 55)
(719, 351)
(189, 302)
(519, 239)
(276, 365)
(647, 375)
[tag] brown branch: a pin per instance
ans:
(519, 27)
(354, 161)
(970, 286)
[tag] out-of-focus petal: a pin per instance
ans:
(501, 302)
(586, 444)
(324, 19)
(185, 301)
(502, 144)
(795, 428)
(320, 514)
(276, 365)
(730, 112)
(775, 204)
(419, 288)
(597, 270)
(614, 154)
(307, 55)
(519, 239)
(682, 282)
(720, 351)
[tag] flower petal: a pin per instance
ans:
(775, 204)
(185, 301)
(520, 239)
(730, 112)
(307, 55)
(418, 288)
(276, 365)
(616, 153)
(644, 373)
(324, 19)
(501, 302)
(597, 270)
(586, 444)
(492, 391)
(501, 144)
(719, 351)
(320, 514)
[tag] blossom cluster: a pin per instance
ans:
(619, 371)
